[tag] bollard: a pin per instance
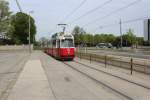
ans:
(131, 65)
(105, 61)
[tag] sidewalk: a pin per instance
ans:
(32, 84)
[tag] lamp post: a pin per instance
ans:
(29, 38)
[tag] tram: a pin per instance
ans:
(61, 46)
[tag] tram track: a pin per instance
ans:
(125, 96)
(124, 79)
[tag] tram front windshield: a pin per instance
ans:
(67, 43)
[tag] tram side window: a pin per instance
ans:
(54, 44)
(50, 44)
(58, 43)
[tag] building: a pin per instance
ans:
(147, 30)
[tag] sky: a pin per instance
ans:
(49, 13)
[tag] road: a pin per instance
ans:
(136, 54)
(11, 63)
(24, 76)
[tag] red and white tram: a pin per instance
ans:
(61, 46)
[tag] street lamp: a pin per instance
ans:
(29, 39)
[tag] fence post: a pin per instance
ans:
(80, 55)
(105, 61)
(120, 61)
(90, 58)
(131, 65)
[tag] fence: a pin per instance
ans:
(132, 64)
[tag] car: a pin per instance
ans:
(104, 45)
(109, 45)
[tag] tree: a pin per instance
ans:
(140, 40)
(106, 38)
(20, 22)
(129, 39)
(79, 35)
(43, 41)
(88, 39)
(76, 33)
(4, 16)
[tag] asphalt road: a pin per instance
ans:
(11, 64)
(137, 54)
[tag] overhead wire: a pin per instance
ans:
(123, 22)
(71, 13)
(92, 11)
(113, 12)
(74, 10)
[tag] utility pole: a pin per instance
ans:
(29, 35)
(0, 13)
(18, 5)
(120, 33)
(29, 39)
(93, 39)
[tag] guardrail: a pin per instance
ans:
(132, 64)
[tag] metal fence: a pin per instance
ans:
(132, 64)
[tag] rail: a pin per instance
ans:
(132, 64)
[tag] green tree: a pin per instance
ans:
(76, 33)
(88, 39)
(43, 42)
(82, 37)
(106, 38)
(4, 17)
(140, 40)
(20, 22)
(79, 35)
(97, 38)
(129, 38)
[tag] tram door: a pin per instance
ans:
(58, 48)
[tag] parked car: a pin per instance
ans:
(104, 45)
